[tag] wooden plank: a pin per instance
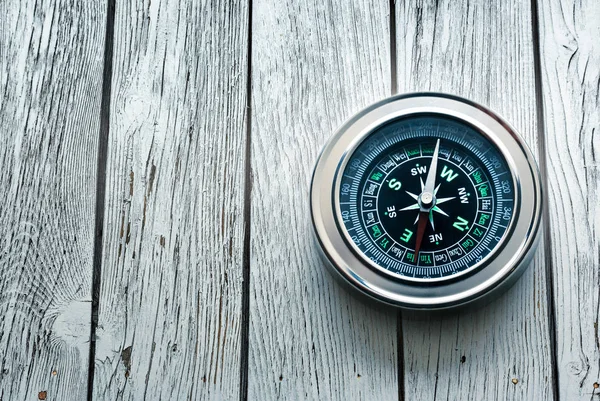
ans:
(170, 300)
(570, 64)
(483, 51)
(51, 68)
(314, 63)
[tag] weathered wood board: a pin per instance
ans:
(570, 64)
(51, 57)
(314, 64)
(170, 298)
(171, 309)
(483, 51)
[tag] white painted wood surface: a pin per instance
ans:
(314, 64)
(483, 51)
(171, 309)
(170, 301)
(51, 55)
(570, 59)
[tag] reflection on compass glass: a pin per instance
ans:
(426, 197)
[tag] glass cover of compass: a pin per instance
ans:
(426, 197)
(426, 191)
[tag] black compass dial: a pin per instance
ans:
(426, 197)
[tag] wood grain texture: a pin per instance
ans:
(570, 61)
(483, 51)
(51, 55)
(170, 298)
(314, 64)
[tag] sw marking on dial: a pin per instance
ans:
(426, 197)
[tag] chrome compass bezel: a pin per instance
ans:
(497, 270)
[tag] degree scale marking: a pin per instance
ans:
(462, 260)
(486, 166)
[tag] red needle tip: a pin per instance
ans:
(422, 224)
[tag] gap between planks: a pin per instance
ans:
(394, 91)
(245, 330)
(101, 187)
(539, 101)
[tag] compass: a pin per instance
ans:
(426, 201)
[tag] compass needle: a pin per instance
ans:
(426, 197)
(430, 181)
(422, 224)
